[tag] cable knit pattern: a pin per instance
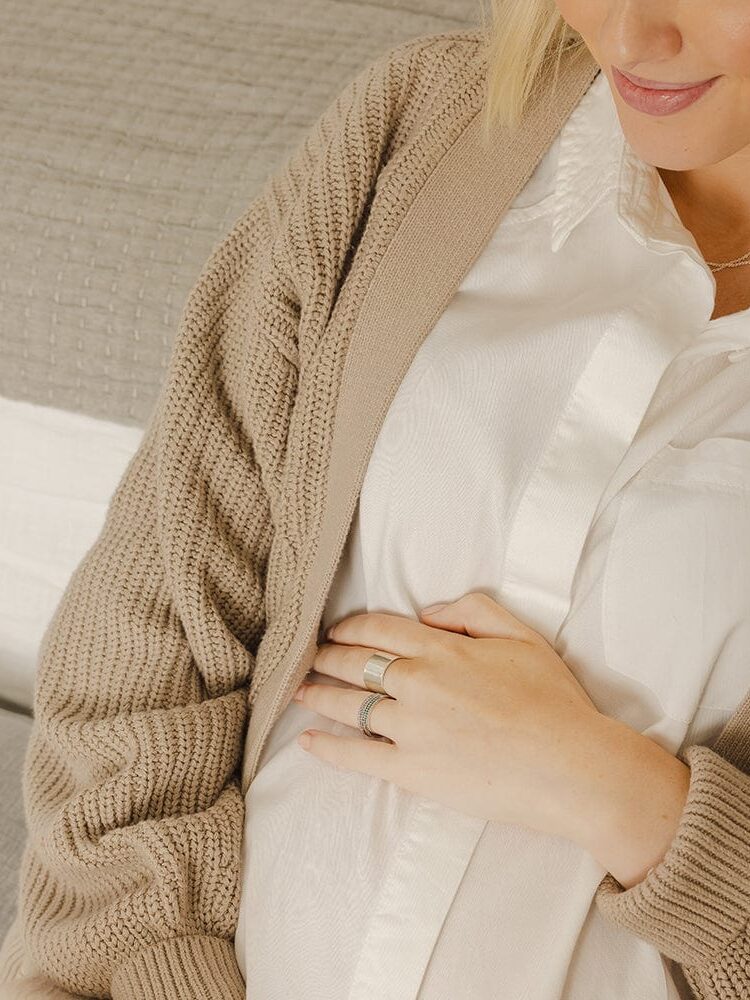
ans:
(130, 878)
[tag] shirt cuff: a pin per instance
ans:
(181, 968)
(696, 901)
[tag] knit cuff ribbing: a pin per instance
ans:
(199, 968)
(695, 903)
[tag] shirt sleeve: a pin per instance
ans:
(694, 906)
(129, 883)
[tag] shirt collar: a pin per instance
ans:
(597, 164)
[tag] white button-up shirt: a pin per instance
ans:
(586, 314)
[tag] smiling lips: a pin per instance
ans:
(664, 99)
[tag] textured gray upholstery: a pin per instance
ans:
(132, 136)
(14, 734)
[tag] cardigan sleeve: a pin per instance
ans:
(129, 883)
(694, 906)
(134, 814)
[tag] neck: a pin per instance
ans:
(712, 203)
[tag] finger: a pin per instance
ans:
(347, 663)
(343, 705)
(480, 616)
(385, 632)
(362, 754)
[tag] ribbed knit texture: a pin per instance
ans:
(130, 878)
(695, 905)
(182, 967)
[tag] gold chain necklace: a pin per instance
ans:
(744, 259)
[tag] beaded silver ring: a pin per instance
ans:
(365, 710)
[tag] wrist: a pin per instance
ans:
(636, 802)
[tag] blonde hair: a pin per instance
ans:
(524, 37)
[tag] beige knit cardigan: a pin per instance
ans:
(195, 611)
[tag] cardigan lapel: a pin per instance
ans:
(448, 224)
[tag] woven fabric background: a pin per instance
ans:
(14, 732)
(132, 135)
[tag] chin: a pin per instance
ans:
(665, 156)
(665, 161)
(675, 151)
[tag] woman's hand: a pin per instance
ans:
(487, 718)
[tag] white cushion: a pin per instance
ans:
(58, 471)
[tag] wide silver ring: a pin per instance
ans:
(365, 710)
(374, 671)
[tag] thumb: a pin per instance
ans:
(478, 615)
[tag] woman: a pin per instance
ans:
(528, 804)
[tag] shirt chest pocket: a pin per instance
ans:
(676, 586)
